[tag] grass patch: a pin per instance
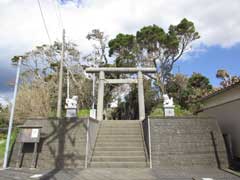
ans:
(83, 113)
(158, 111)
(3, 140)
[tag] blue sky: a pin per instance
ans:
(212, 59)
(217, 22)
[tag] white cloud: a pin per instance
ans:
(22, 27)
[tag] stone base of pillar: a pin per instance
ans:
(71, 113)
(169, 111)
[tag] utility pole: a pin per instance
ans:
(68, 85)
(12, 115)
(60, 81)
(93, 91)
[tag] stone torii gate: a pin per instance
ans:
(102, 81)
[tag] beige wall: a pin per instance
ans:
(225, 108)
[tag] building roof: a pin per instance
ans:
(221, 90)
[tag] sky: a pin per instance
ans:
(217, 21)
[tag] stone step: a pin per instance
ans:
(122, 129)
(118, 149)
(118, 159)
(118, 165)
(120, 136)
(119, 144)
(119, 140)
(119, 153)
(121, 126)
(120, 121)
(102, 133)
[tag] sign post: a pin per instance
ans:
(28, 134)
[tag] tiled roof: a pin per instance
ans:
(220, 90)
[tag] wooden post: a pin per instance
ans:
(19, 156)
(34, 158)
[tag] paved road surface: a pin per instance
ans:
(118, 174)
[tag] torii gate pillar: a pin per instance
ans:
(100, 95)
(141, 103)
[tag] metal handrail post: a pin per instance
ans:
(87, 144)
(149, 142)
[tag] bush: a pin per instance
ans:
(158, 111)
(83, 113)
(3, 143)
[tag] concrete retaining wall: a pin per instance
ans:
(187, 142)
(62, 144)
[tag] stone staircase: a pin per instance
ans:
(119, 144)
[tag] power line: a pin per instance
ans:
(59, 14)
(44, 22)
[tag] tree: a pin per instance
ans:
(152, 46)
(123, 47)
(197, 80)
(40, 73)
(98, 56)
(198, 86)
(43, 61)
(128, 109)
(164, 49)
(226, 78)
(33, 100)
(186, 91)
(176, 87)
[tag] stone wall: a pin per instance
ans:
(62, 144)
(187, 142)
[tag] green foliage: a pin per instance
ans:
(4, 115)
(150, 37)
(158, 111)
(98, 56)
(123, 47)
(129, 108)
(186, 91)
(177, 88)
(40, 68)
(197, 80)
(181, 112)
(152, 46)
(83, 113)
(3, 143)
(226, 78)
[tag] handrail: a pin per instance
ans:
(143, 138)
(87, 144)
(91, 136)
(149, 142)
(147, 138)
